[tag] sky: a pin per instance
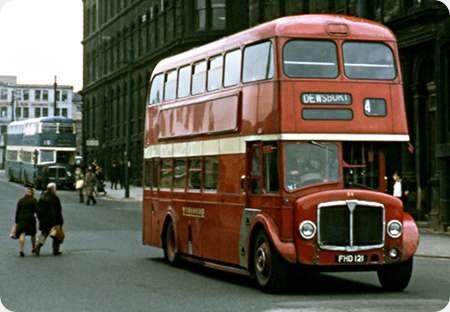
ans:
(41, 39)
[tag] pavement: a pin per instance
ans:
(431, 245)
(135, 193)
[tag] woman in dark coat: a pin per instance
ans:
(49, 213)
(25, 220)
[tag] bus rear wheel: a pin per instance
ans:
(395, 277)
(270, 270)
(169, 244)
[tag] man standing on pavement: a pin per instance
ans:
(49, 213)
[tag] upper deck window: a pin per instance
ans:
(368, 60)
(310, 59)
(184, 81)
(170, 86)
(258, 62)
(215, 66)
(156, 89)
(199, 78)
(232, 74)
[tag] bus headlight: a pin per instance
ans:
(307, 229)
(394, 228)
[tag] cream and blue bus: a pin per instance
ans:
(39, 147)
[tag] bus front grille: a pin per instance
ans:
(350, 225)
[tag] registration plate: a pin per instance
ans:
(353, 258)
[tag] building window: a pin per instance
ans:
(3, 112)
(210, 14)
(45, 95)
(200, 14)
(64, 96)
(3, 94)
(26, 95)
(18, 112)
(64, 112)
(45, 112)
(37, 95)
(218, 14)
(37, 112)
(26, 112)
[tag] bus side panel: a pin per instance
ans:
(261, 109)
(147, 213)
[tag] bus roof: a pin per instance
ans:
(307, 26)
(41, 119)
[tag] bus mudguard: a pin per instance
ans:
(285, 249)
(410, 237)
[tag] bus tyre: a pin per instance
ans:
(270, 270)
(395, 277)
(170, 245)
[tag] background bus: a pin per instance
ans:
(270, 149)
(41, 144)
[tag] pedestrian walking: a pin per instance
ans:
(49, 213)
(25, 220)
(79, 182)
(100, 180)
(90, 184)
(399, 187)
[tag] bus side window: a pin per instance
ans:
(271, 172)
(184, 81)
(156, 89)
(255, 170)
(215, 66)
(148, 174)
(170, 85)
(179, 174)
(199, 77)
(166, 173)
(155, 172)
(232, 74)
(258, 62)
(211, 173)
(195, 174)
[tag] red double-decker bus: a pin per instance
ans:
(269, 149)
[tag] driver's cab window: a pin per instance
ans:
(308, 163)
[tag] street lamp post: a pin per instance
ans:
(127, 126)
(55, 87)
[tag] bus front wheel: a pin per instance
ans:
(395, 277)
(169, 244)
(270, 270)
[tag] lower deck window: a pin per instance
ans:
(211, 173)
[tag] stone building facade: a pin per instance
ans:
(124, 39)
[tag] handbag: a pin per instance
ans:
(79, 184)
(57, 233)
(13, 232)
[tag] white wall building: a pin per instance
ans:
(23, 101)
